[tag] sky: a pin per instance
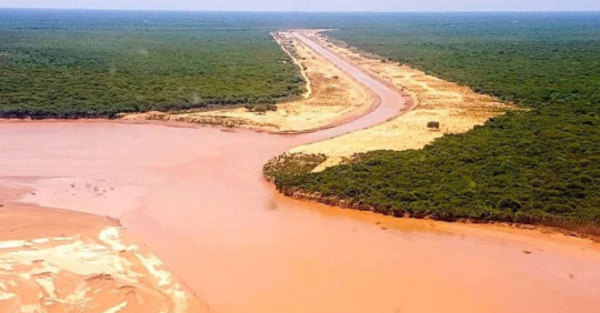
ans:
(314, 5)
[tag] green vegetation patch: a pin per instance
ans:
(94, 64)
(540, 166)
(510, 179)
(532, 59)
(289, 165)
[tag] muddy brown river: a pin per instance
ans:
(196, 197)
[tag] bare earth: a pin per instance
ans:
(457, 108)
(332, 96)
(60, 261)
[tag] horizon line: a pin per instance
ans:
(292, 11)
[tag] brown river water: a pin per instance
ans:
(196, 197)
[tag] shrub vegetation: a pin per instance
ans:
(69, 64)
(539, 166)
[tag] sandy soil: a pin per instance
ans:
(61, 261)
(331, 96)
(457, 109)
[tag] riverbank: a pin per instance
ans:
(57, 261)
(91, 193)
(331, 98)
(453, 109)
(456, 109)
(292, 165)
(61, 261)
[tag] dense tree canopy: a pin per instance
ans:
(535, 166)
(51, 68)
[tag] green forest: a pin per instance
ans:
(540, 165)
(98, 65)
(536, 166)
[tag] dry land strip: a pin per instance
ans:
(331, 97)
(456, 108)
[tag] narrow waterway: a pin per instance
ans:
(196, 197)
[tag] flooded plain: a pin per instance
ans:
(196, 197)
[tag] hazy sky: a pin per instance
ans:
(315, 5)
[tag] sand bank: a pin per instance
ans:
(456, 108)
(61, 261)
(331, 97)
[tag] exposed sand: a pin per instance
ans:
(457, 108)
(332, 96)
(60, 261)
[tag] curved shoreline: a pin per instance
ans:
(298, 194)
(341, 120)
(567, 230)
(343, 204)
(409, 103)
